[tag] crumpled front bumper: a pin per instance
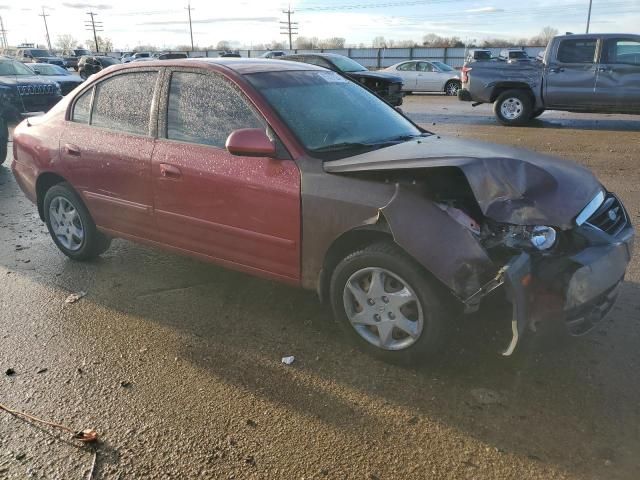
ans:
(577, 290)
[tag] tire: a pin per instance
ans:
(513, 107)
(4, 140)
(424, 311)
(537, 113)
(452, 87)
(88, 243)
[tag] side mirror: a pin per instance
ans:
(250, 142)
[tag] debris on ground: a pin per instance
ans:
(42, 370)
(10, 372)
(288, 360)
(125, 384)
(74, 297)
(484, 396)
(251, 423)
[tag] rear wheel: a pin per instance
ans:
(4, 140)
(386, 303)
(452, 87)
(513, 107)
(70, 224)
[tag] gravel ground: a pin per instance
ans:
(177, 363)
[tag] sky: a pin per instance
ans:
(249, 22)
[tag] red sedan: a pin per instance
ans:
(295, 173)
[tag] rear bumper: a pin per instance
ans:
(464, 95)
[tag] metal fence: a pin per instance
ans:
(376, 58)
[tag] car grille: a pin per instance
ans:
(25, 90)
(610, 217)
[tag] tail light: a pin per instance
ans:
(464, 77)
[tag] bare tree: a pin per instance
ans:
(333, 42)
(379, 42)
(275, 45)
(305, 43)
(66, 43)
(223, 45)
(546, 34)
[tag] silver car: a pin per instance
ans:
(427, 76)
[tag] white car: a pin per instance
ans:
(427, 76)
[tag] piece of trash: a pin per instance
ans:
(288, 360)
(74, 297)
(87, 436)
(125, 384)
(42, 370)
(10, 371)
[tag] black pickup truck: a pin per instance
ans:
(22, 92)
(595, 73)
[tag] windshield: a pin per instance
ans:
(345, 64)
(518, 54)
(40, 53)
(14, 68)
(82, 52)
(108, 60)
(46, 69)
(331, 116)
(443, 66)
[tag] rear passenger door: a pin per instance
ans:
(428, 79)
(570, 77)
(618, 78)
(242, 212)
(106, 148)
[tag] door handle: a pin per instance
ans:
(170, 171)
(71, 150)
(556, 70)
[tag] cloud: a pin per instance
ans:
(484, 10)
(98, 6)
(213, 20)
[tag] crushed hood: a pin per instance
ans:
(511, 185)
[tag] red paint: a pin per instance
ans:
(239, 211)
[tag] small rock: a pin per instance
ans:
(125, 384)
(10, 372)
(251, 423)
(250, 460)
(74, 297)
(288, 360)
(20, 456)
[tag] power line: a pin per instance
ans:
(289, 28)
(188, 8)
(46, 27)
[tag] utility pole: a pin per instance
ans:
(3, 32)
(188, 8)
(95, 26)
(589, 15)
(46, 28)
(289, 28)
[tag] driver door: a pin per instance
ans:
(243, 212)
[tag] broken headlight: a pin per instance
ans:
(539, 237)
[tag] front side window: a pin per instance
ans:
(205, 109)
(620, 50)
(82, 108)
(407, 67)
(425, 67)
(577, 51)
(345, 64)
(123, 102)
(320, 62)
(443, 67)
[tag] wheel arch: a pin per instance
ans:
(502, 87)
(44, 182)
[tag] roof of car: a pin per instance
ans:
(581, 36)
(239, 65)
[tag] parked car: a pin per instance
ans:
(291, 172)
(135, 56)
(172, 56)
(513, 55)
(71, 60)
(595, 73)
(479, 55)
(230, 55)
(125, 56)
(387, 86)
(274, 54)
(426, 76)
(22, 92)
(61, 76)
(91, 64)
(35, 55)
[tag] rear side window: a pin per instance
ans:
(82, 108)
(205, 109)
(123, 102)
(407, 67)
(577, 51)
(620, 50)
(425, 67)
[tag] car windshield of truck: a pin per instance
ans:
(443, 66)
(482, 55)
(13, 68)
(345, 64)
(40, 53)
(332, 116)
(518, 55)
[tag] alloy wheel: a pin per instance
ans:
(66, 224)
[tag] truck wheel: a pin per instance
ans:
(4, 140)
(513, 107)
(386, 303)
(452, 87)
(70, 224)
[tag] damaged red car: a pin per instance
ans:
(294, 173)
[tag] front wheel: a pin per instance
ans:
(452, 87)
(513, 107)
(4, 140)
(387, 304)
(70, 224)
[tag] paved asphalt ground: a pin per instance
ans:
(176, 363)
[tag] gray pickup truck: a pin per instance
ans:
(596, 73)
